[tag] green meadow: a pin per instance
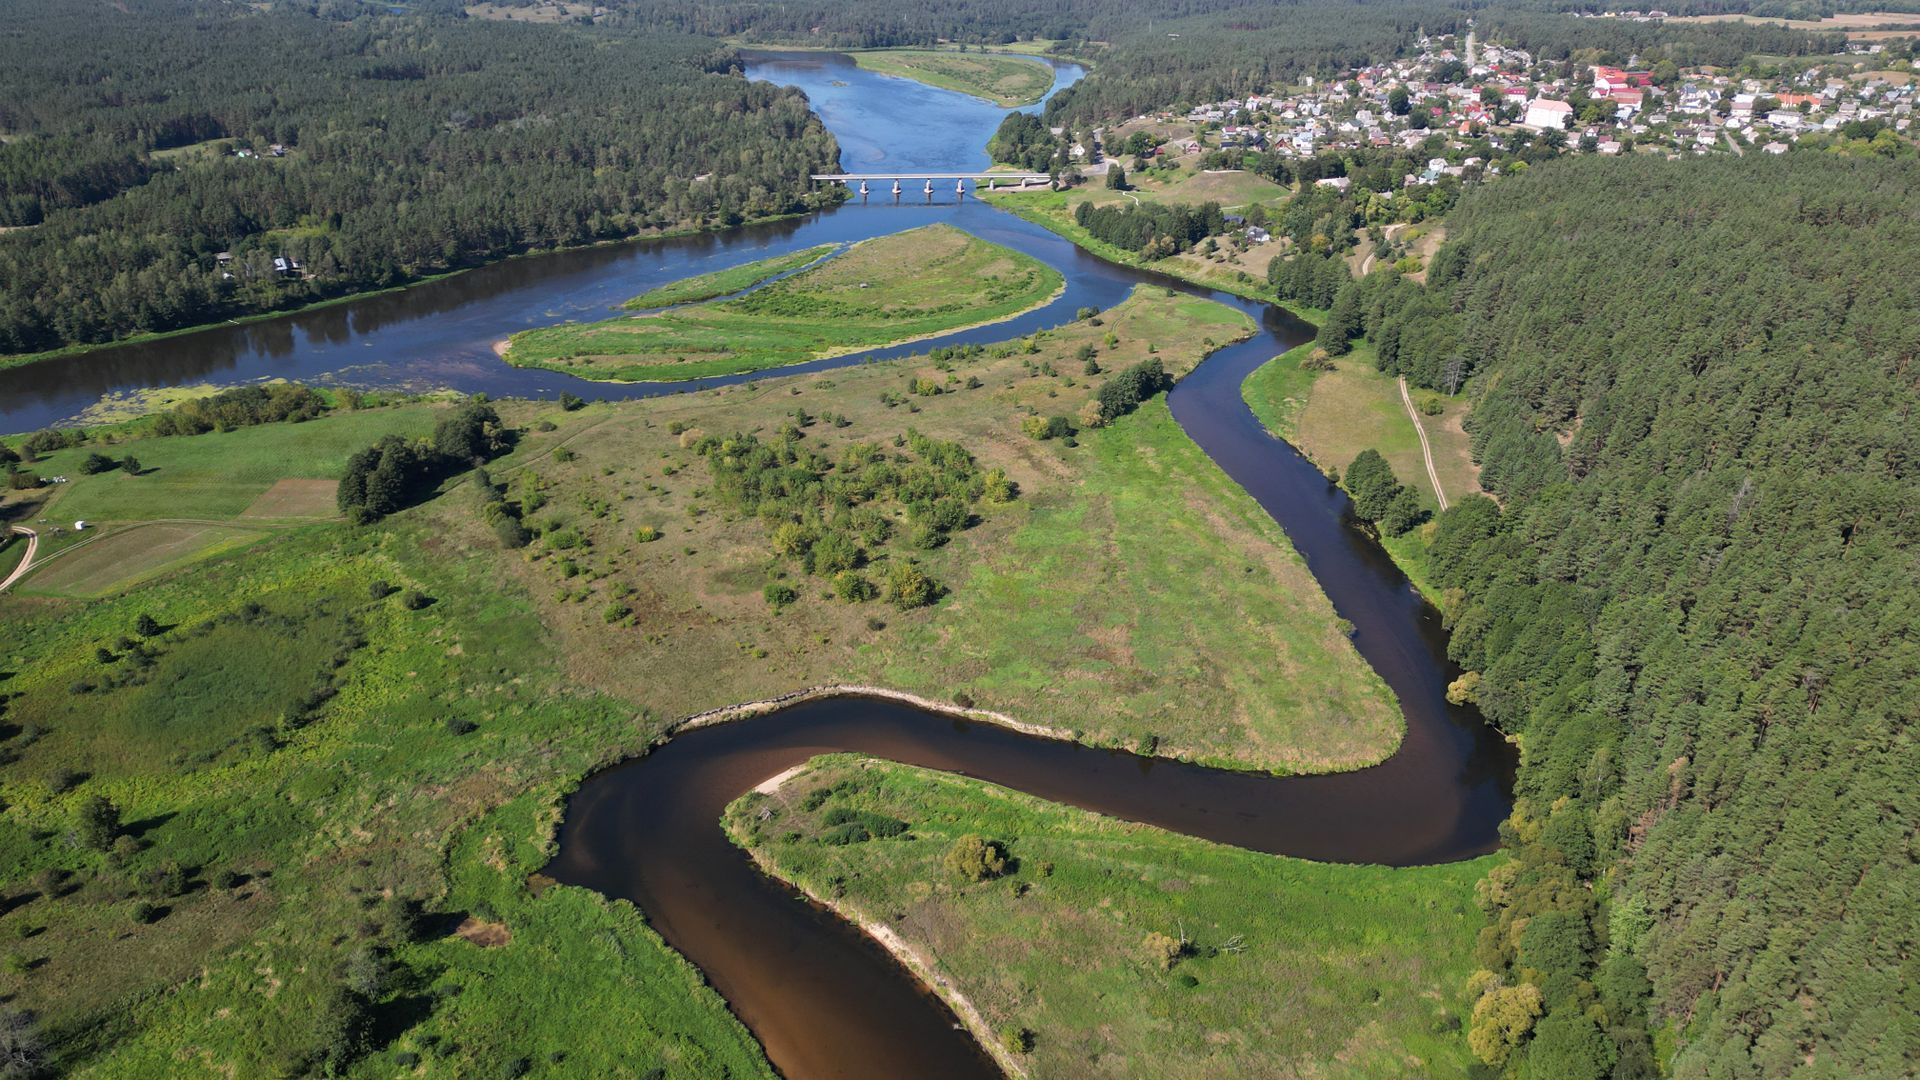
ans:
(1007, 81)
(332, 758)
(885, 291)
(1108, 948)
(725, 282)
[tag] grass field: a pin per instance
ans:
(897, 288)
(132, 555)
(1332, 416)
(1055, 600)
(1007, 81)
(336, 717)
(218, 474)
(1292, 968)
(290, 730)
(725, 282)
(196, 496)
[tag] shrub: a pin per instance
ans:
(1046, 427)
(226, 880)
(414, 600)
(571, 403)
(380, 590)
(972, 858)
(615, 611)
(144, 912)
(1162, 951)
(779, 595)
(97, 822)
(511, 532)
(1017, 1039)
(96, 463)
(460, 725)
(563, 455)
(646, 534)
(907, 586)
(21, 1046)
(853, 588)
(130, 465)
(146, 625)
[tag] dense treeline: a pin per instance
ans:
(1023, 139)
(1695, 606)
(242, 406)
(411, 145)
(1379, 497)
(1155, 230)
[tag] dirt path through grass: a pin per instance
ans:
(26, 561)
(1426, 450)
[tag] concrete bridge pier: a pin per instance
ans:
(896, 189)
(959, 189)
(863, 189)
(929, 189)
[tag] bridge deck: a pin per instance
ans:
(932, 176)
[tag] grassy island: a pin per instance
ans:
(1007, 81)
(1108, 948)
(725, 282)
(897, 288)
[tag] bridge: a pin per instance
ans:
(992, 179)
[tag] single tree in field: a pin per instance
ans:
(1116, 176)
(146, 626)
(97, 823)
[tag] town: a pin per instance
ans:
(1466, 105)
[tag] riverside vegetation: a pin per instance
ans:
(1091, 945)
(1007, 81)
(321, 861)
(896, 288)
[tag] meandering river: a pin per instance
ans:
(824, 999)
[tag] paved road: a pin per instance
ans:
(33, 545)
(1433, 475)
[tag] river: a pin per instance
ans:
(823, 999)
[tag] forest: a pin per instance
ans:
(407, 145)
(1691, 605)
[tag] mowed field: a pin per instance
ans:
(1007, 81)
(1332, 416)
(131, 555)
(885, 291)
(1055, 603)
(196, 496)
(1289, 968)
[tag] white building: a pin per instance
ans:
(1544, 113)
